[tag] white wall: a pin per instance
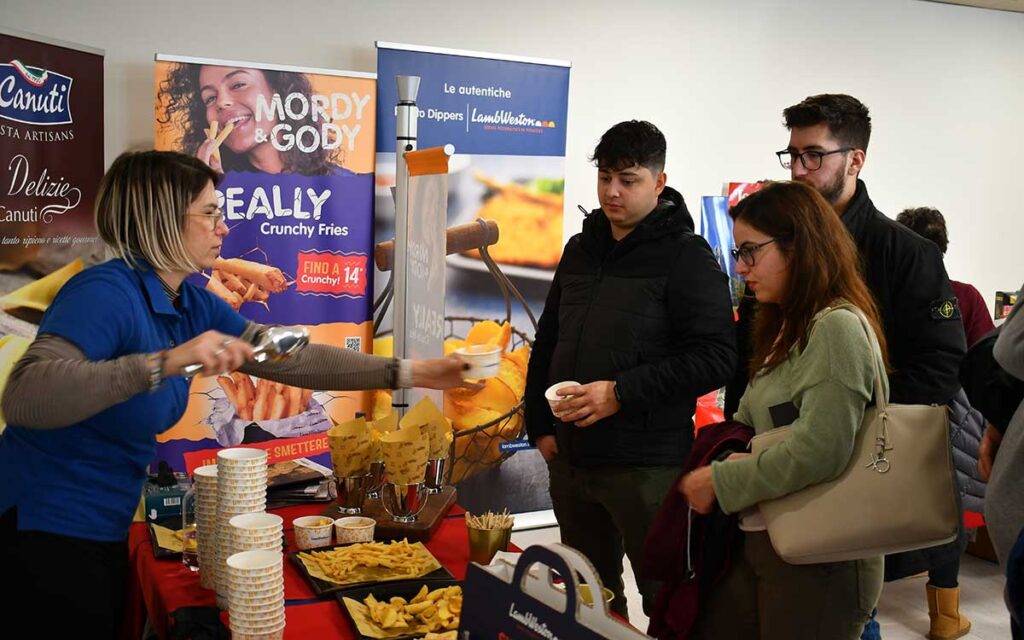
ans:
(945, 84)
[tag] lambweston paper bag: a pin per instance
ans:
(516, 602)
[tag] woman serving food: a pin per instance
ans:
(104, 377)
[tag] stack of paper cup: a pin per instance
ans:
(256, 595)
(241, 488)
(251, 531)
(205, 484)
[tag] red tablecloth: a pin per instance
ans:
(161, 586)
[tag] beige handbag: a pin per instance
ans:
(896, 494)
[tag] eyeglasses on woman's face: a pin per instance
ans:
(748, 252)
(215, 217)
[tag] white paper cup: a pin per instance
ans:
(257, 522)
(256, 562)
(313, 531)
(354, 529)
(249, 599)
(268, 616)
(251, 478)
(205, 473)
(245, 632)
(272, 635)
(484, 361)
(261, 538)
(239, 456)
(553, 398)
(258, 592)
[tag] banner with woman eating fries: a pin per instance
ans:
(296, 147)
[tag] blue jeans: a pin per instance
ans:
(872, 631)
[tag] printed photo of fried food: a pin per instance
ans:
(530, 219)
(264, 400)
(237, 281)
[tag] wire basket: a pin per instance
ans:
(478, 448)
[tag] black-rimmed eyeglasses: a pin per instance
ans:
(810, 159)
(747, 252)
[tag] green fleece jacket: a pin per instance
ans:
(830, 383)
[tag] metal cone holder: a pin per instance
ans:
(404, 502)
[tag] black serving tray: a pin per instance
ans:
(324, 589)
(384, 591)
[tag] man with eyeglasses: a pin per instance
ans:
(828, 142)
(639, 318)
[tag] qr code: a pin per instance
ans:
(355, 344)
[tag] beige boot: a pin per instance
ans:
(944, 611)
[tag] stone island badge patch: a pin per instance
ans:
(945, 309)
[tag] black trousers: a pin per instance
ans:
(62, 586)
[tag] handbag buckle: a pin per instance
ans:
(879, 463)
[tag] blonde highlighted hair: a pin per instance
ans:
(142, 203)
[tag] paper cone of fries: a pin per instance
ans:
(426, 414)
(351, 448)
(405, 455)
(378, 428)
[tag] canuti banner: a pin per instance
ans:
(297, 150)
(51, 161)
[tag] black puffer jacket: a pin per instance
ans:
(651, 312)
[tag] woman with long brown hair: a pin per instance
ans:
(812, 370)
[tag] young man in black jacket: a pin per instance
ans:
(639, 315)
(827, 150)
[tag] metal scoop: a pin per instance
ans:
(273, 345)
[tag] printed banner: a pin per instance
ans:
(51, 162)
(278, 450)
(716, 227)
(506, 117)
(297, 150)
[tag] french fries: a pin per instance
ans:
(263, 400)
(428, 612)
(339, 564)
(237, 281)
(218, 137)
(490, 520)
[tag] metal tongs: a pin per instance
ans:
(272, 345)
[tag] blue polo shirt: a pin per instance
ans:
(85, 480)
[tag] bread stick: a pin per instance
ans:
(228, 385)
(217, 288)
(231, 281)
(295, 406)
(279, 404)
(261, 406)
(246, 392)
(269, 278)
(306, 395)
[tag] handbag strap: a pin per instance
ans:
(882, 445)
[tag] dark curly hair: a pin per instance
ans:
(631, 143)
(928, 223)
(179, 92)
(847, 117)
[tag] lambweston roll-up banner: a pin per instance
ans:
(297, 150)
(506, 117)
